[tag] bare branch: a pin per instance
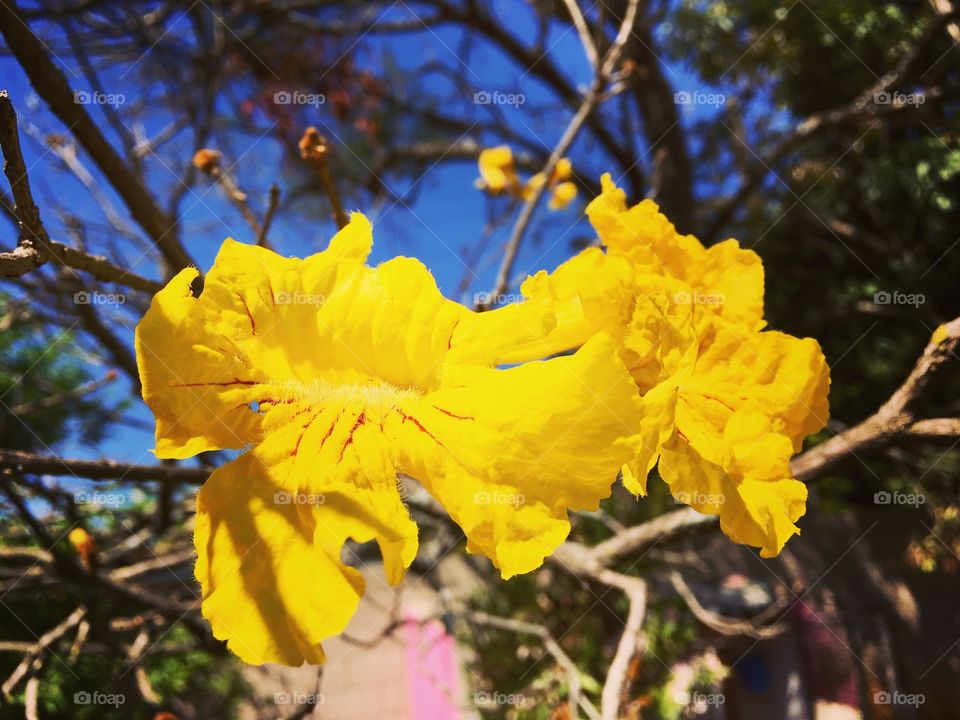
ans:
(50, 83)
(894, 418)
(592, 99)
(35, 246)
(315, 150)
(17, 461)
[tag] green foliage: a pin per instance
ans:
(37, 374)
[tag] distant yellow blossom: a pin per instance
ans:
(499, 176)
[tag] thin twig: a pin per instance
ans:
(580, 23)
(51, 84)
(575, 698)
(272, 204)
(35, 247)
(40, 646)
(591, 100)
(315, 150)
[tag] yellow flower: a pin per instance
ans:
(337, 377)
(82, 543)
(562, 195)
(725, 405)
(497, 173)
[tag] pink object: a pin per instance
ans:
(431, 670)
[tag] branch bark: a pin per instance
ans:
(51, 84)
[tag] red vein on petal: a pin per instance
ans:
(454, 415)
(253, 323)
(361, 419)
(420, 426)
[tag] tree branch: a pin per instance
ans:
(18, 461)
(50, 83)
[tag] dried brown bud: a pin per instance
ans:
(207, 160)
(313, 146)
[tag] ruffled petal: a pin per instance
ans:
(508, 452)
(271, 526)
(746, 481)
(785, 378)
(204, 361)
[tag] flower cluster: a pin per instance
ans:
(498, 175)
(334, 398)
(654, 352)
(725, 402)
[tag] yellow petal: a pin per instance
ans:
(785, 378)
(271, 525)
(624, 229)
(496, 169)
(764, 513)
(655, 430)
(510, 453)
(755, 512)
(563, 170)
(563, 194)
(203, 361)
(590, 293)
(729, 280)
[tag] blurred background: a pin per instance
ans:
(823, 135)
